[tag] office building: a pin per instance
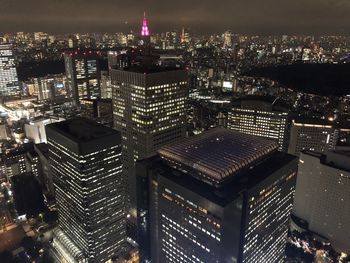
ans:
(51, 87)
(86, 164)
(227, 39)
(83, 74)
(148, 109)
(3, 131)
(261, 116)
(9, 85)
(99, 110)
(35, 129)
(312, 134)
(221, 196)
(322, 196)
(106, 87)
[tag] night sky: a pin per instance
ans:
(202, 16)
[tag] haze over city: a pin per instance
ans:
(205, 16)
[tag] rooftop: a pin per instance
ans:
(269, 103)
(225, 193)
(82, 130)
(218, 154)
(149, 69)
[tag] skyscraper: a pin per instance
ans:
(148, 109)
(261, 116)
(221, 196)
(322, 196)
(228, 39)
(83, 74)
(9, 85)
(86, 164)
(312, 134)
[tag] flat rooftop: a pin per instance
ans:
(82, 130)
(218, 154)
(149, 69)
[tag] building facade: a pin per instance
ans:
(230, 206)
(9, 85)
(149, 111)
(313, 135)
(322, 194)
(261, 116)
(83, 74)
(86, 163)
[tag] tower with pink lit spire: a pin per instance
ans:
(145, 37)
(144, 30)
(156, 114)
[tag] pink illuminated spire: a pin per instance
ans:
(144, 30)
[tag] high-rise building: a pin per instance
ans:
(221, 196)
(9, 85)
(86, 164)
(99, 110)
(50, 87)
(312, 134)
(322, 196)
(185, 36)
(106, 88)
(83, 74)
(261, 116)
(227, 39)
(148, 109)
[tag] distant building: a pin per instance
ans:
(50, 88)
(86, 164)
(261, 116)
(221, 196)
(9, 85)
(322, 196)
(315, 135)
(106, 86)
(228, 39)
(3, 131)
(99, 110)
(83, 74)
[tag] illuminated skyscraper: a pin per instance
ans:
(228, 39)
(148, 109)
(312, 134)
(260, 116)
(144, 30)
(322, 196)
(221, 196)
(9, 85)
(83, 74)
(185, 36)
(86, 164)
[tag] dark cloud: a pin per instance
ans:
(206, 16)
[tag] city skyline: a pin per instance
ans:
(176, 146)
(271, 17)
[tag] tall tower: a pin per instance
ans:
(145, 37)
(322, 196)
(9, 85)
(221, 196)
(86, 164)
(148, 109)
(83, 74)
(144, 30)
